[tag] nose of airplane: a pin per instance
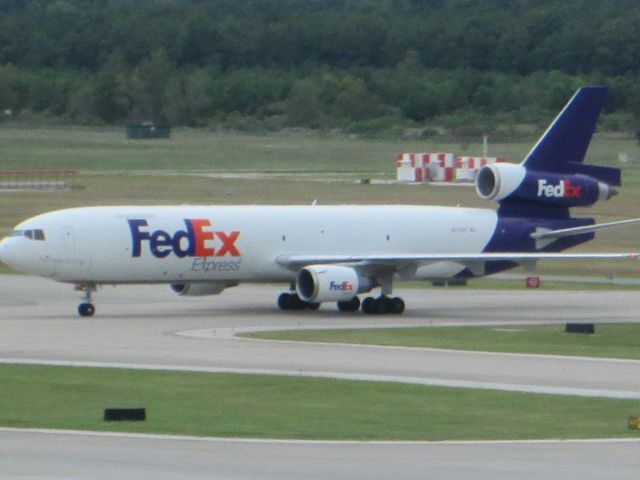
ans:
(8, 254)
(22, 255)
(4, 254)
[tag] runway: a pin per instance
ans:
(148, 326)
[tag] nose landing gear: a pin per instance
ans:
(86, 308)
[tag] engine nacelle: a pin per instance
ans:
(503, 181)
(330, 283)
(199, 289)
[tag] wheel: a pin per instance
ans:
(368, 305)
(86, 309)
(297, 303)
(284, 301)
(397, 306)
(382, 305)
(291, 301)
(349, 306)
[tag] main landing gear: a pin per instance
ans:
(381, 305)
(374, 306)
(350, 305)
(291, 301)
(86, 308)
(385, 303)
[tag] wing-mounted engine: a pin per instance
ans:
(200, 289)
(330, 283)
(506, 182)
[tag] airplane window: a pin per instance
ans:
(36, 234)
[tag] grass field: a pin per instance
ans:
(107, 149)
(609, 341)
(296, 408)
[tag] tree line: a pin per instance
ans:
(363, 66)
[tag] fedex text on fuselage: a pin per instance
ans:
(197, 240)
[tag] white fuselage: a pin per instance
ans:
(235, 243)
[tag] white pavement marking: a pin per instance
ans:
(191, 438)
(429, 382)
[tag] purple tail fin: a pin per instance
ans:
(563, 146)
(553, 178)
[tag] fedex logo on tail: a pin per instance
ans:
(197, 240)
(564, 189)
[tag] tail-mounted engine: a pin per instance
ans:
(507, 181)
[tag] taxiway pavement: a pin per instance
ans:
(60, 455)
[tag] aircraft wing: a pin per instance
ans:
(474, 261)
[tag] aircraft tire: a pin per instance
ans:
(284, 301)
(349, 306)
(368, 305)
(291, 301)
(86, 310)
(297, 303)
(397, 306)
(382, 305)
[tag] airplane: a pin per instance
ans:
(336, 253)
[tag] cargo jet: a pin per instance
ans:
(335, 253)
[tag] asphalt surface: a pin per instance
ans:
(55, 455)
(149, 327)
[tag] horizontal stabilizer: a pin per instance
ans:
(541, 234)
(608, 175)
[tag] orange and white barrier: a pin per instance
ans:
(410, 167)
(425, 167)
(442, 166)
(467, 167)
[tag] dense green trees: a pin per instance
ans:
(358, 65)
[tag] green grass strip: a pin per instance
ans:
(229, 405)
(610, 340)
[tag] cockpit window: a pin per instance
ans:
(33, 234)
